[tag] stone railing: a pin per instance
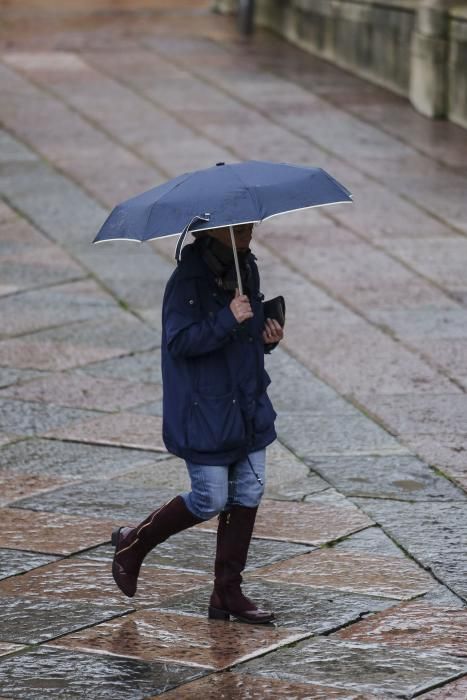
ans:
(418, 48)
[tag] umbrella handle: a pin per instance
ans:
(237, 268)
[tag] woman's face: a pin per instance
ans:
(242, 233)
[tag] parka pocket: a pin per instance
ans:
(215, 423)
(265, 414)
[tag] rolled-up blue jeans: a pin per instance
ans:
(216, 488)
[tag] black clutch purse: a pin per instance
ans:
(275, 308)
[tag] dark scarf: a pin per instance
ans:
(220, 260)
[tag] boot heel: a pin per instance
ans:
(216, 614)
(115, 534)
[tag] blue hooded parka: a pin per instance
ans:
(215, 406)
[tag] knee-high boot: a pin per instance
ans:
(234, 533)
(132, 544)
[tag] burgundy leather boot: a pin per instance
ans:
(233, 540)
(132, 544)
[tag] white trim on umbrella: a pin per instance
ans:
(237, 223)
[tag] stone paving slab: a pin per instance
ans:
(357, 572)
(49, 355)
(243, 686)
(23, 270)
(44, 308)
(13, 562)
(87, 675)
(139, 367)
(315, 610)
(34, 621)
(392, 476)
(325, 517)
(435, 536)
(296, 389)
(167, 473)
(28, 185)
(307, 434)
(108, 499)
(193, 640)
(90, 580)
(43, 532)
(359, 667)
(118, 330)
(412, 414)
(120, 429)
(328, 347)
(30, 418)
(15, 486)
(413, 625)
(370, 278)
(372, 540)
(446, 452)
(80, 391)
(72, 461)
(194, 550)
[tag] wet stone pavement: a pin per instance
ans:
(360, 544)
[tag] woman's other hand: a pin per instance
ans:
(272, 332)
(240, 307)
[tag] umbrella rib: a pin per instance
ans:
(177, 184)
(255, 203)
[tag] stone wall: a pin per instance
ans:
(370, 38)
(417, 48)
(457, 66)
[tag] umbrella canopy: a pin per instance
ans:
(224, 195)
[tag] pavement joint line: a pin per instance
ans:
(296, 132)
(41, 287)
(103, 411)
(27, 333)
(439, 684)
(49, 642)
(94, 442)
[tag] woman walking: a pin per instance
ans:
(217, 415)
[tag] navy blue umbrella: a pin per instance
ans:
(223, 195)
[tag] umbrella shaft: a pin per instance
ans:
(237, 268)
